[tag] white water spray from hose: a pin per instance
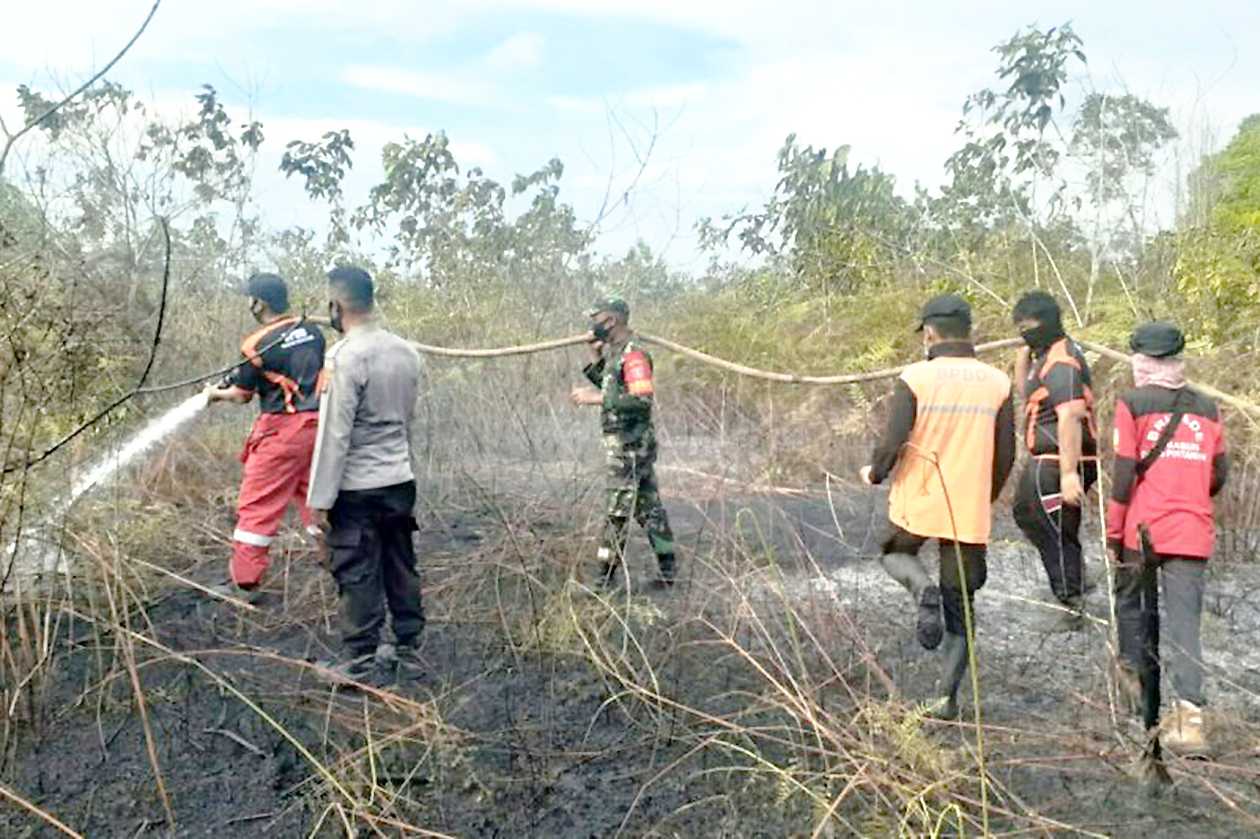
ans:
(39, 553)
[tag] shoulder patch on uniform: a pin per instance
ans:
(637, 371)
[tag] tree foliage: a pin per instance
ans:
(836, 227)
(1218, 263)
(1116, 139)
(1007, 153)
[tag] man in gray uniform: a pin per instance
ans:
(362, 488)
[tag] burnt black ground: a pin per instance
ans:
(534, 741)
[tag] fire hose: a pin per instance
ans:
(1249, 410)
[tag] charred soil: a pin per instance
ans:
(772, 693)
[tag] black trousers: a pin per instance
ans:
(974, 568)
(1137, 597)
(373, 559)
(1053, 527)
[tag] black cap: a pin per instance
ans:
(610, 304)
(270, 289)
(1158, 339)
(945, 306)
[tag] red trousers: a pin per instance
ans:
(277, 458)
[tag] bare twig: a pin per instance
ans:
(237, 739)
(42, 814)
(11, 139)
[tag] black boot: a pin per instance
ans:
(1067, 617)
(408, 666)
(608, 574)
(954, 660)
(356, 672)
(665, 573)
(928, 623)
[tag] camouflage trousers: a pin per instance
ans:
(632, 493)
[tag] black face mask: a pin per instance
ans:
(256, 309)
(334, 317)
(1041, 336)
(600, 331)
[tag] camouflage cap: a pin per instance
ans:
(609, 304)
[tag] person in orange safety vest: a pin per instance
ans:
(948, 449)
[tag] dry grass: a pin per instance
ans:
(743, 696)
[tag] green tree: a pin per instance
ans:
(1218, 260)
(837, 229)
(1115, 140)
(1006, 175)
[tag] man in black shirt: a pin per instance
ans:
(282, 365)
(1062, 443)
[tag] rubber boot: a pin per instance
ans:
(357, 672)
(1181, 729)
(909, 571)
(1089, 580)
(953, 669)
(408, 666)
(665, 572)
(609, 576)
(229, 590)
(928, 623)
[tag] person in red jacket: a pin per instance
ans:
(1161, 512)
(283, 360)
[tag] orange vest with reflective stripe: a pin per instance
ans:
(944, 477)
(1047, 445)
(249, 349)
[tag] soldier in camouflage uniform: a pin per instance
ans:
(621, 372)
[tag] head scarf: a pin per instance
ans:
(1167, 372)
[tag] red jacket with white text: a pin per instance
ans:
(1174, 497)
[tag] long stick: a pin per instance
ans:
(1208, 390)
(1153, 771)
(793, 378)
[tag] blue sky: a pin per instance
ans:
(719, 84)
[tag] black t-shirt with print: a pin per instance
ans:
(283, 366)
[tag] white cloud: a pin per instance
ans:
(73, 36)
(575, 104)
(666, 96)
(435, 87)
(471, 151)
(887, 78)
(522, 51)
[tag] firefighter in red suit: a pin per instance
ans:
(282, 363)
(1161, 515)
